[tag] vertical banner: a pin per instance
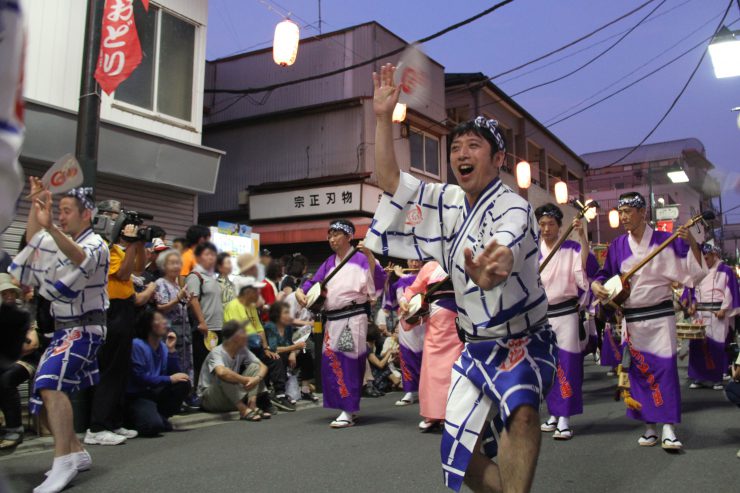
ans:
(120, 49)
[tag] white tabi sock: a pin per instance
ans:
(408, 397)
(650, 430)
(62, 473)
(669, 433)
(563, 423)
(345, 416)
(82, 461)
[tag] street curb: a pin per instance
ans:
(182, 422)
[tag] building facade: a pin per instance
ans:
(300, 155)
(675, 203)
(150, 153)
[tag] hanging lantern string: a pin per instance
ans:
(550, 175)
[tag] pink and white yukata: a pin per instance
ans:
(717, 291)
(562, 279)
(347, 306)
(442, 346)
(650, 319)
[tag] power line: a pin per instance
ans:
(366, 62)
(592, 60)
(554, 120)
(588, 47)
(678, 97)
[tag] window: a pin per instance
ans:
(163, 82)
(424, 152)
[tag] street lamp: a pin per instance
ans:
(725, 53)
(523, 174)
(677, 175)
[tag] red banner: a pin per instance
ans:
(665, 226)
(120, 49)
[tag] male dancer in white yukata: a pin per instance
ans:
(485, 236)
(562, 278)
(648, 312)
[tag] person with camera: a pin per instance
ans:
(69, 264)
(127, 256)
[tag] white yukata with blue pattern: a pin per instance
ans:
(70, 362)
(510, 357)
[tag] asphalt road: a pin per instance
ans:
(384, 452)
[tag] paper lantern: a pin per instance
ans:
(399, 113)
(561, 192)
(614, 218)
(285, 43)
(590, 213)
(523, 174)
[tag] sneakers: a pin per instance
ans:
(129, 434)
(283, 403)
(695, 385)
(81, 460)
(104, 437)
(718, 386)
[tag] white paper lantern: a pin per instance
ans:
(590, 213)
(399, 113)
(614, 218)
(561, 192)
(523, 174)
(285, 43)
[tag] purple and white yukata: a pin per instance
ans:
(344, 352)
(717, 291)
(587, 309)
(564, 279)
(650, 319)
(510, 357)
(77, 293)
(410, 342)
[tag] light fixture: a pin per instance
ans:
(614, 218)
(590, 213)
(399, 113)
(725, 53)
(561, 192)
(285, 43)
(523, 174)
(676, 174)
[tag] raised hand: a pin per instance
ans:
(42, 209)
(36, 186)
(578, 227)
(386, 92)
(491, 267)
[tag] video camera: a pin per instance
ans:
(112, 229)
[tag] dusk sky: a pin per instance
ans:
(526, 29)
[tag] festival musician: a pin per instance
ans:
(716, 300)
(410, 338)
(562, 278)
(650, 320)
(442, 346)
(345, 316)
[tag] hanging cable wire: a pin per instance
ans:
(678, 96)
(554, 120)
(593, 59)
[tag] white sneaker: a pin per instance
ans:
(695, 385)
(104, 437)
(129, 434)
(718, 386)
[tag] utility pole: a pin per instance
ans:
(88, 112)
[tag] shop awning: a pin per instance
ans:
(304, 231)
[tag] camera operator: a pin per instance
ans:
(127, 256)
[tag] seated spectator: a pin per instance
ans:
(244, 309)
(385, 375)
(294, 355)
(156, 385)
(11, 435)
(232, 378)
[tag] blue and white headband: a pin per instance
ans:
(707, 248)
(84, 195)
(491, 126)
(636, 201)
(552, 213)
(345, 228)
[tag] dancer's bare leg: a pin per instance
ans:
(61, 423)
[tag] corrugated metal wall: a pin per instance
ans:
(173, 210)
(307, 146)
